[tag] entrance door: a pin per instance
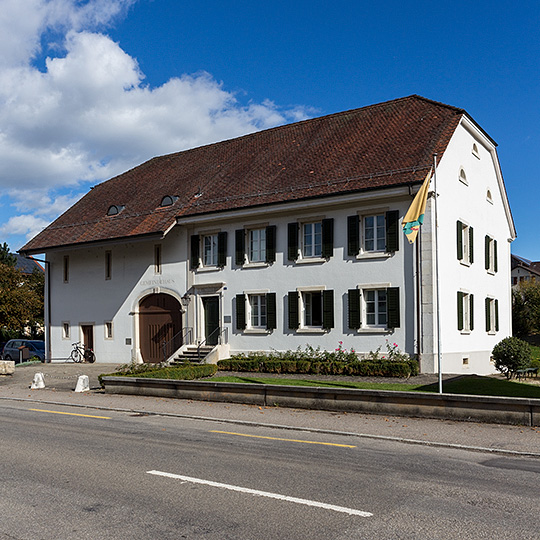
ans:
(160, 320)
(88, 336)
(211, 319)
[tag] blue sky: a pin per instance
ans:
(91, 88)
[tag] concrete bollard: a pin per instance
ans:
(83, 384)
(7, 367)
(38, 382)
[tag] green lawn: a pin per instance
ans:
(484, 386)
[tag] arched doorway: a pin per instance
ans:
(160, 320)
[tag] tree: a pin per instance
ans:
(526, 308)
(6, 257)
(21, 300)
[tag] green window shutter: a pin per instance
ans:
(460, 310)
(293, 310)
(471, 245)
(239, 246)
(328, 309)
(496, 315)
(354, 308)
(459, 241)
(392, 307)
(327, 226)
(271, 312)
(240, 312)
(471, 311)
(487, 242)
(292, 241)
(195, 243)
(222, 249)
(488, 315)
(353, 235)
(271, 244)
(496, 264)
(392, 234)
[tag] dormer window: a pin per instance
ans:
(114, 209)
(463, 177)
(168, 200)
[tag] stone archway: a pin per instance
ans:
(160, 320)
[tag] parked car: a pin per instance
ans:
(36, 349)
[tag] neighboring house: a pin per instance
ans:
(27, 265)
(524, 270)
(292, 236)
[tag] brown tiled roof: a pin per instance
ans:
(383, 145)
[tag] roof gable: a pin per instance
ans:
(383, 145)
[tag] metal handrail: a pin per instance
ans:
(220, 331)
(168, 347)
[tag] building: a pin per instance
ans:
(292, 236)
(524, 270)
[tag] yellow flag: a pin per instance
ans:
(415, 215)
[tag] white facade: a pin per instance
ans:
(101, 287)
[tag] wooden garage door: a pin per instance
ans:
(160, 319)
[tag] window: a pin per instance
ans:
(374, 233)
(108, 330)
(312, 239)
(379, 233)
(108, 265)
(210, 252)
(465, 305)
(157, 259)
(489, 196)
(168, 200)
(213, 248)
(491, 264)
(114, 209)
(465, 244)
(475, 150)
(311, 309)
(261, 245)
(256, 311)
(316, 240)
(66, 268)
(65, 330)
(374, 307)
(492, 315)
(463, 177)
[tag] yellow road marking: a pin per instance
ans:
(72, 414)
(279, 439)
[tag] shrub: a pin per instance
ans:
(511, 354)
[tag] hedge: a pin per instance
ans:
(186, 372)
(366, 368)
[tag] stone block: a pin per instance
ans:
(7, 367)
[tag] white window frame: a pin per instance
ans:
(377, 313)
(491, 255)
(311, 249)
(257, 255)
(492, 316)
(466, 306)
(108, 329)
(303, 326)
(66, 330)
(256, 308)
(212, 260)
(465, 237)
(377, 238)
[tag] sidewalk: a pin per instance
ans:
(61, 379)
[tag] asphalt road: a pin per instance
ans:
(81, 473)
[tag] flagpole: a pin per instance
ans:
(439, 360)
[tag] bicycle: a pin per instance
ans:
(81, 353)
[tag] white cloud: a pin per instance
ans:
(23, 225)
(89, 115)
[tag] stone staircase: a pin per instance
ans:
(190, 355)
